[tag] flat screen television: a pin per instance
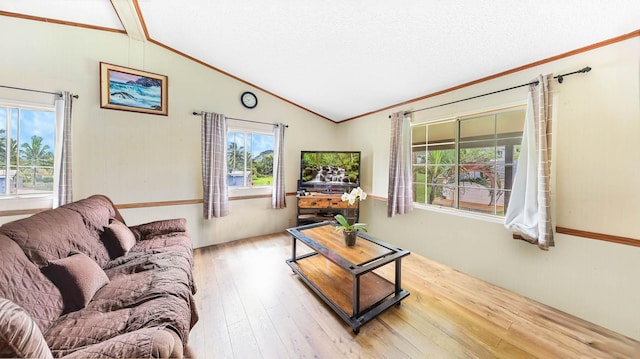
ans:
(329, 171)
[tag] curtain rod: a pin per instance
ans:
(559, 77)
(40, 91)
(240, 119)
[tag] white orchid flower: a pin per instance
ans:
(359, 193)
(356, 194)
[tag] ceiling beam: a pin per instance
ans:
(129, 17)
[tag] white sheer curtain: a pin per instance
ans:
(400, 195)
(278, 197)
(528, 215)
(62, 184)
(214, 165)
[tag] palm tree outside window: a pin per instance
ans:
(249, 158)
(29, 134)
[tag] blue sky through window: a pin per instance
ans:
(32, 122)
(259, 143)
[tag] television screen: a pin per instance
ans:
(329, 171)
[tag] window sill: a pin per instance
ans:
(25, 204)
(27, 196)
(459, 213)
(240, 192)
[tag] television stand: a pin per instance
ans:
(319, 207)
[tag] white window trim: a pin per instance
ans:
(29, 200)
(467, 114)
(459, 212)
(460, 116)
(27, 105)
(264, 129)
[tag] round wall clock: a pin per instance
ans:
(248, 99)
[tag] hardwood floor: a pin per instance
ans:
(253, 306)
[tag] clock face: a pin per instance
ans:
(248, 99)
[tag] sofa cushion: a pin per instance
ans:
(147, 290)
(96, 210)
(23, 283)
(118, 238)
(78, 277)
(20, 337)
(53, 234)
(130, 344)
(178, 244)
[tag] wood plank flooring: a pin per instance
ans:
(252, 305)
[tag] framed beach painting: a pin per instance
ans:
(126, 89)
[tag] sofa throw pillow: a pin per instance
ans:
(78, 277)
(20, 337)
(118, 238)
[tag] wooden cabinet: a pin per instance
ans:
(319, 207)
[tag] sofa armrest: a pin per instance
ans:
(157, 228)
(20, 336)
(167, 344)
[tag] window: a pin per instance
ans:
(26, 149)
(467, 163)
(249, 158)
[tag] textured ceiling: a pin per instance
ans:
(341, 59)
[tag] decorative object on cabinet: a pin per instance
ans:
(350, 230)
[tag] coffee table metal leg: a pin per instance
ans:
(293, 248)
(356, 296)
(398, 276)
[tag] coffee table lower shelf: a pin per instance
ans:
(336, 287)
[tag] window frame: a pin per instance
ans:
(457, 119)
(33, 106)
(249, 128)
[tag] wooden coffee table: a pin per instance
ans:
(344, 277)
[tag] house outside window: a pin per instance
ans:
(249, 158)
(27, 135)
(467, 163)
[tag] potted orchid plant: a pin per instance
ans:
(349, 230)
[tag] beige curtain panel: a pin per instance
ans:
(400, 194)
(278, 196)
(62, 186)
(214, 165)
(529, 211)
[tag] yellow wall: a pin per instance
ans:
(145, 158)
(133, 157)
(595, 173)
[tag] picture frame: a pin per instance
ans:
(127, 89)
